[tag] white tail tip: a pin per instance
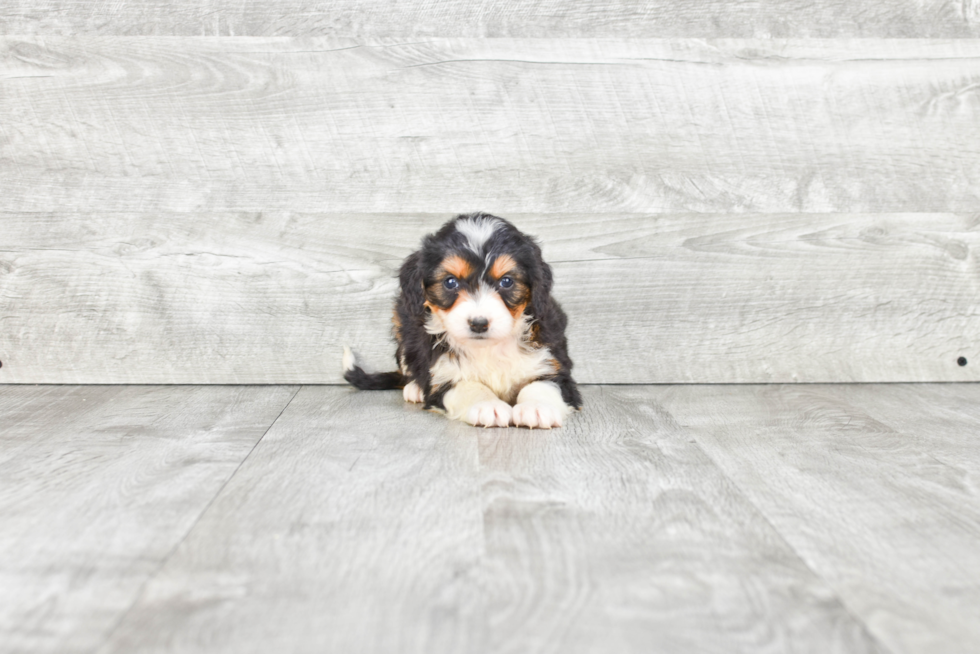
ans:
(348, 359)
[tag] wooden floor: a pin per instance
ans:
(807, 518)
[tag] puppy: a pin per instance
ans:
(479, 335)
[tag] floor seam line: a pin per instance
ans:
(163, 562)
(877, 641)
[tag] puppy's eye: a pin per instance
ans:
(506, 282)
(451, 283)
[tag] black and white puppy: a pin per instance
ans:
(479, 335)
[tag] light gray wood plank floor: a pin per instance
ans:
(97, 486)
(818, 518)
(877, 489)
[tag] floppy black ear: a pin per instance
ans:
(541, 282)
(410, 279)
(415, 350)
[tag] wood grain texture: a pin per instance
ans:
(496, 18)
(155, 124)
(361, 524)
(877, 488)
(618, 534)
(97, 486)
(355, 526)
(272, 297)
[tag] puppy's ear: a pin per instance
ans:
(410, 279)
(541, 282)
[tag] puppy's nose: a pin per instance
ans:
(479, 325)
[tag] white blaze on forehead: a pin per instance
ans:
(477, 231)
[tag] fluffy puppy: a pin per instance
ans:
(479, 335)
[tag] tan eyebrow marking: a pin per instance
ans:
(457, 266)
(502, 265)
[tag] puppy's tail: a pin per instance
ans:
(370, 381)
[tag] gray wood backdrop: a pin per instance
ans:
(221, 192)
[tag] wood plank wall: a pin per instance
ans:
(218, 192)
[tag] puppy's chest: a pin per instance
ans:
(504, 370)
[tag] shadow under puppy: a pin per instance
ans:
(479, 335)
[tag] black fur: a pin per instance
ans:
(379, 381)
(418, 350)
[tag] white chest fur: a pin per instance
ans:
(504, 367)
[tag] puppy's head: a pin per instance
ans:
(483, 281)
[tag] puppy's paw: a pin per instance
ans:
(493, 413)
(413, 393)
(536, 416)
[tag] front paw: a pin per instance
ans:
(493, 413)
(536, 415)
(413, 393)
